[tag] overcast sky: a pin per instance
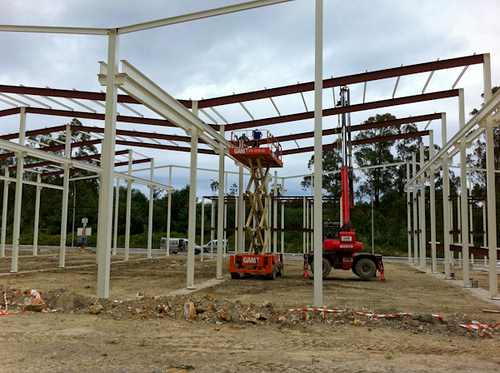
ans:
(260, 48)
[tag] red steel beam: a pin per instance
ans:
(38, 132)
(6, 112)
(345, 80)
(358, 127)
(69, 93)
(370, 140)
(265, 93)
(347, 109)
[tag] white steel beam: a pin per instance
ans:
(5, 206)
(212, 227)
(150, 213)
(432, 198)
(55, 30)
(241, 211)
(416, 232)
(37, 215)
(464, 194)
(64, 203)
(422, 221)
(128, 211)
(427, 81)
(220, 211)
(446, 201)
(481, 116)
(169, 208)
(318, 159)
(275, 213)
(490, 186)
(408, 215)
(105, 212)
(202, 228)
(197, 15)
(192, 207)
(115, 220)
(19, 192)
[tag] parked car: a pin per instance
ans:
(176, 244)
(212, 245)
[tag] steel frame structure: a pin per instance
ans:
(185, 114)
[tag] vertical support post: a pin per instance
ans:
(151, 210)
(220, 211)
(423, 230)
(169, 208)
(446, 201)
(275, 213)
(212, 227)
(464, 194)
(408, 214)
(128, 211)
(485, 224)
(318, 156)
(471, 224)
(373, 230)
(225, 228)
(236, 222)
(37, 215)
(432, 198)
(5, 206)
(304, 219)
(241, 211)
(105, 214)
(192, 206)
(115, 226)
(416, 233)
(282, 225)
(19, 193)
(65, 199)
(202, 228)
(490, 186)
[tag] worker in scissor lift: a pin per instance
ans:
(257, 136)
(242, 141)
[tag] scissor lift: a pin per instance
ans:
(260, 154)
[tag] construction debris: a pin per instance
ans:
(209, 309)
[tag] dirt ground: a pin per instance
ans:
(148, 333)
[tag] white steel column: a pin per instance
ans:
(304, 225)
(212, 227)
(275, 213)
(105, 214)
(169, 208)
(318, 157)
(192, 208)
(65, 198)
(282, 215)
(5, 206)
(446, 202)
(236, 208)
(128, 208)
(408, 214)
(416, 234)
(115, 225)
(464, 195)
(432, 197)
(19, 193)
(485, 224)
(150, 211)
(241, 212)
(37, 215)
(490, 186)
(202, 227)
(220, 211)
(423, 233)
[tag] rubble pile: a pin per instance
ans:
(210, 309)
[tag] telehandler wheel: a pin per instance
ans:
(327, 267)
(365, 268)
(235, 276)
